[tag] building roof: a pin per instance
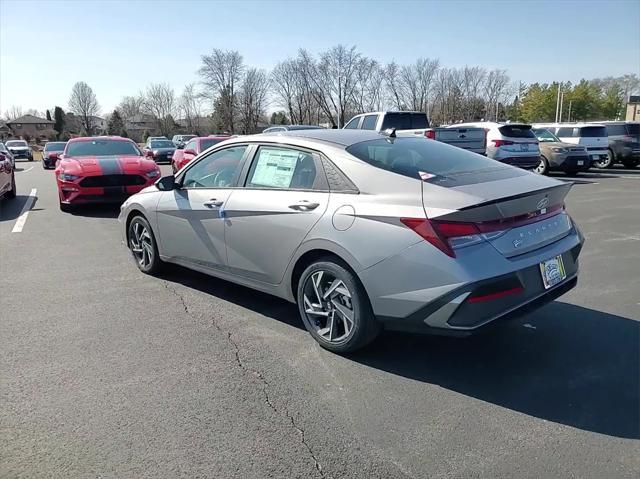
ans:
(30, 119)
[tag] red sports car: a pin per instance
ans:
(104, 169)
(193, 148)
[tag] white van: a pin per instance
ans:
(592, 136)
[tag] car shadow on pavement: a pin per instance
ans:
(564, 363)
(96, 211)
(11, 209)
(261, 303)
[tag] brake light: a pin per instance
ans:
(430, 134)
(499, 143)
(496, 295)
(444, 235)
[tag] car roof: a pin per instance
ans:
(342, 138)
(299, 127)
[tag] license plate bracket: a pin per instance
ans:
(552, 271)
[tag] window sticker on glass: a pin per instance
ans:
(274, 168)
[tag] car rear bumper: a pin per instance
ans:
(525, 162)
(571, 163)
(432, 298)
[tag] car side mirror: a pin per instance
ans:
(166, 183)
(190, 152)
(148, 153)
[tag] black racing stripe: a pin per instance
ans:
(110, 165)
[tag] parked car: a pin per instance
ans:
(156, 138)
(429, 247)
(624, 143)
(7, 153)
(281, 128)
(592, 136)
(159, 150)
(19, 149)
(51, 152)
(467, 138)
(180, 140)
(7, 177)
(406, 123)
(193, 148)
(103, 169)
(510, 143)
(558, 156)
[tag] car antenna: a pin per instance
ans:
(390, 132)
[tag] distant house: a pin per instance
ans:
(30, 126)
(200, 125)
(138, 124)
(75, 126)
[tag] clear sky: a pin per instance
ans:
(119, 47)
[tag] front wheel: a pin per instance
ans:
(335, 308)
(543, 166)
(607, 162)
(143, 246)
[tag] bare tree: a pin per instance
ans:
(191, 107)
(252, 99)
(368, 91)
(415, 83)
(131, 106)
(221, 73)
(83, 102)
(496, 88)
(285, 83)
(13, 113)
(160, 101)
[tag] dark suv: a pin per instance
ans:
(624, 142)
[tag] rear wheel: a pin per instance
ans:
(335, 308)
(606, 163)
(142, 244)
(543, 166)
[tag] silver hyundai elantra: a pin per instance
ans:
(364, 231)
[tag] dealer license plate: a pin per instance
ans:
(580, 162)
(552, 272)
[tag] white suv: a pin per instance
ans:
(592, 136)
(511, 143)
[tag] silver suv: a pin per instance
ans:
(363, 231)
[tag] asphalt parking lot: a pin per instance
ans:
(106, 372)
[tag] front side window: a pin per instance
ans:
(616, 130)
(216, 170)
(545, 136)
(565, 132)
(282, 168)
(192, 145)
(353, 124)
(369, 122)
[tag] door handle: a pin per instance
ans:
(304, 205)
(213, 203)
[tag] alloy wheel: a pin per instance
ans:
(541, 168)
(328, 306)
(141, 244)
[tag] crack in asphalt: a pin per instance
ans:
(257, 374)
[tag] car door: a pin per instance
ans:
(190, 218)
(284, 194)
(5, 173)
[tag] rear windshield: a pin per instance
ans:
(405, 121)
(54, 146)
(17, 143)
(633, 128)
(418, 158)
(101, 148)
(204, 144)
(517, 131)
(593, 131)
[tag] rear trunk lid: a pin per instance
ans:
(593, 137)
(472, 139)
(515, 211)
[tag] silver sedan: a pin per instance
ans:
(364, 231)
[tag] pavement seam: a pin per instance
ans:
(257, 374)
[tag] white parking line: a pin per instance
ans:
(22, 219)
(24, 171)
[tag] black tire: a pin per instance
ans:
(608, 163)
(543, 167)
(365, 328)
(630, 164)
(152, 264)
(65, 208)
(12, 192)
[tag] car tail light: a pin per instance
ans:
(444, 235)
(499, 143)
(495, 295)
(430, 134)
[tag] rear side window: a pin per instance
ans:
(192, 145)
(593, 132)
(353, 124)
(633, 128)
(405, 121)
(369, 122)
(417, 158)
(616, 130)
(565, 132)
(517, 131)
(282, 168)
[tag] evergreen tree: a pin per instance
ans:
(58, 114)
(115, 126)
